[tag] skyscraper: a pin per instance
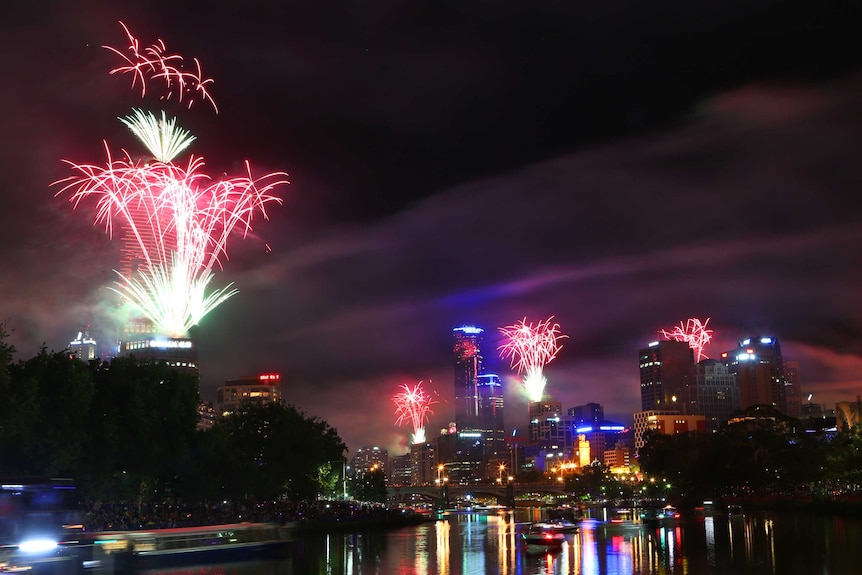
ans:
(83, 347)
(667, 376)
(759, 370)
(481, 443)
(490, 420)
(468, 367)
(717, 393)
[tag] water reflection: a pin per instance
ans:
(477, 544)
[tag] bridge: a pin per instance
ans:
(505, 494)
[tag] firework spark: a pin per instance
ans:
(694, 333)
(155, 63)
(190, 219)
(162, 137)
(413, 405)
(179, 217)
(530, 349)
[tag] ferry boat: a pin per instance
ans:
(186, 545)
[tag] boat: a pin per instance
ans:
(542, 537)
(562, 525)
(186, 545)
(660, 514)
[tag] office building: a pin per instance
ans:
(423, 464)
(716, 395)
(263, 388)
(490, 422)
(665, 422)
(792, 391)
(83, 346)
(667, 374)
(468, 367)
(480, 445)
(368, 457)
(759, 370)
(587, 413)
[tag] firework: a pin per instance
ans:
(162, 137)
(179, 217)
(694, 333)
(155, 63)
(190, 218)
(413, 405)
(530, 348)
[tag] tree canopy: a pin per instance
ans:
(127, 430)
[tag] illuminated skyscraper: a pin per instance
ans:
(83, 347)
(490, 421)
(481, 444)
(759, 370)
(468, 367)
(667, 376)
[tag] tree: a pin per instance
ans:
(369, 486)
(142, 422)
(272, 450)
(44, 410)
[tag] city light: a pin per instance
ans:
(530, 348)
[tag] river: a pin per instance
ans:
(488, 544)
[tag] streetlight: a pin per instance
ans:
(502, 469)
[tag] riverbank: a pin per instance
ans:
(842, 506)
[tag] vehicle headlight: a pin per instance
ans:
(37, 545)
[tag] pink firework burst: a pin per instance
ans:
(694, 333)
(181, 221)
(178, 219)
(413, 404)
(155, 63)
(530, 348)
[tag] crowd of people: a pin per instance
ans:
(129, 517)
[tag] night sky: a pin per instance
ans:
(622, 166)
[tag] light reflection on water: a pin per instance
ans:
(488, 544)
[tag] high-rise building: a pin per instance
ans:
(468, 367)
(759, 370)
(551, 439)
(263, 388)
(83, 347)
(366, 457)
(716, 394)
(423, 464)
(178, 352)
(792, 391)
(481, 446)
(667, 375)
(587, 413)
(490, 422)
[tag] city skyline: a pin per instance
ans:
(467, 168)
